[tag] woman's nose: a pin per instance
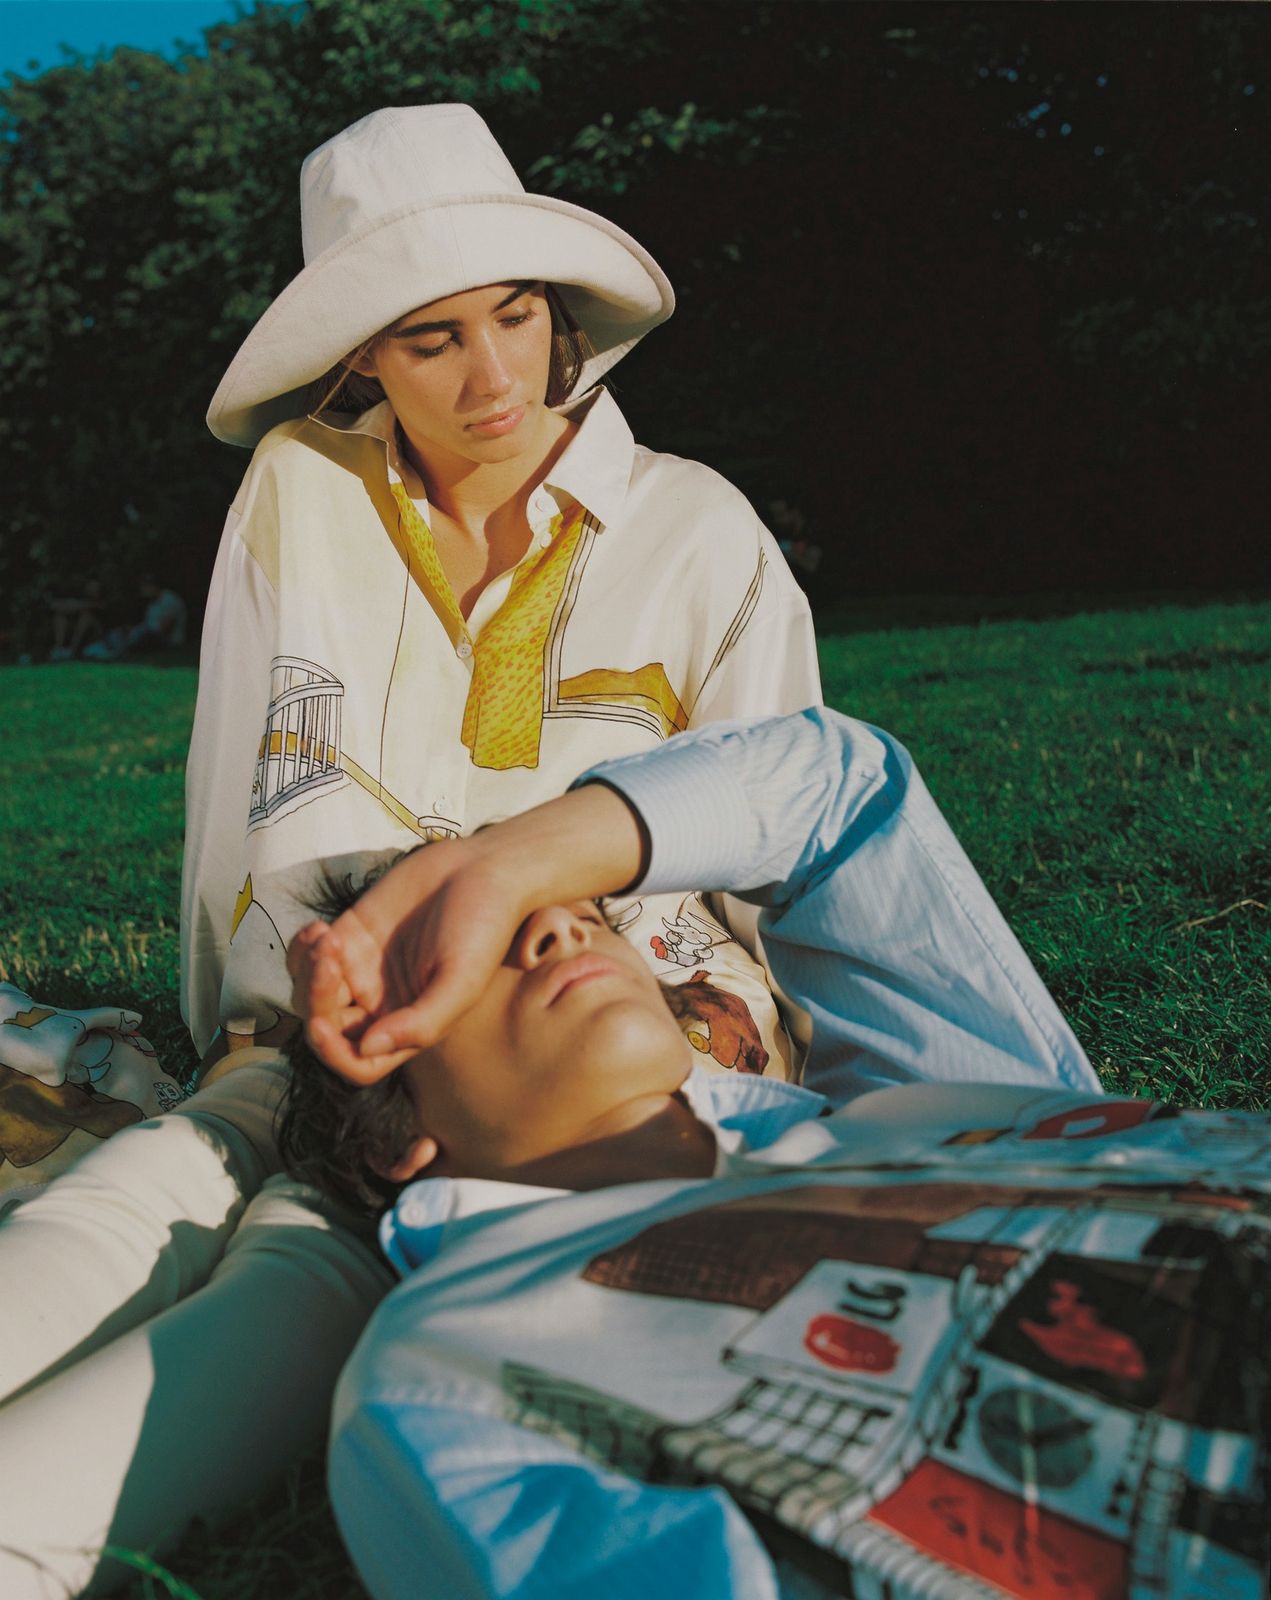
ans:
(487, 371)
(552, 934)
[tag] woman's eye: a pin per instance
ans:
(427, 351)
(516, 321)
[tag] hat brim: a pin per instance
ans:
(614, 289)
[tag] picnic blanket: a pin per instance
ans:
(68, 1078)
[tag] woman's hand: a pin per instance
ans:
(394, 972)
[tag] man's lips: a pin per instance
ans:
(566, 975)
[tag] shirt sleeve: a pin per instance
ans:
(766, 662)
(440, 1502)
(238, 631)
(874, 921)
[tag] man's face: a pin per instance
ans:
(572, 1042)
(467, 375)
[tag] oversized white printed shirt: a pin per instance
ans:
(346, 709)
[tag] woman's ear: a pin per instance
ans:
(419, 1154)
(362, 362)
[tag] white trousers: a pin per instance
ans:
(172, 1322)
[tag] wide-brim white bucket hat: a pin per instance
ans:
(408, 206)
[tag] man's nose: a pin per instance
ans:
(552, 934)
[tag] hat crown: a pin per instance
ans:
(399, 157)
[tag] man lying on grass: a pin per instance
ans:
(667, 1330)
(516, 1036)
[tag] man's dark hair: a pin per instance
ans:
(332, 1133)
(341, 1136)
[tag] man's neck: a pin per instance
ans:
(659, 1138)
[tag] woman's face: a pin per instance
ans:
(467, 375)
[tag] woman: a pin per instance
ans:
(422, 617)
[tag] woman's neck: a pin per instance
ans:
(475, 495)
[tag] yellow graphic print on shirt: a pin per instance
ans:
(646, 690)
(503, 720)
(430, 576)
(512, 668)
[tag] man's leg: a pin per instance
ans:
(135, 1225)
(194, 1413)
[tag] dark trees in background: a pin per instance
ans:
(982, 289)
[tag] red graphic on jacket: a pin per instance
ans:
(849, 1346)
(717, 1024)
(1077, 1338)
(1094, 1121)
(1018, 1546)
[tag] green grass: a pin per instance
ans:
(1109, 774)
(91, 814)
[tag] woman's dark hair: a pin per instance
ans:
(342, 389)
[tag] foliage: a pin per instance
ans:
(1147, 135)
(605, 159)
(991, 351)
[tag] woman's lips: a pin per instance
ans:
(566, 975)
(503, 422)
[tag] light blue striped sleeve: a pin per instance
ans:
(874, 921)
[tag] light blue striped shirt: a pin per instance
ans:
(873, 920)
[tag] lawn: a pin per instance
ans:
(1109, 774)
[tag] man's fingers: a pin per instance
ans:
(329, 990)
(444, 999)
(334, 965)
(343, 1055)
(302, 943)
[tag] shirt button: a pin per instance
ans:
(463, 649)
(414, 1214)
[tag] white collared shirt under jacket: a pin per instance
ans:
(347, 708)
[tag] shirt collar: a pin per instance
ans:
(746, 1114)
(594, 469)
(380, 423)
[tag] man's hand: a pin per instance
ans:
(391, 975)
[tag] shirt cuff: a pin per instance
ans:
(702, 832)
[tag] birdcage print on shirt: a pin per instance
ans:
(299, 750)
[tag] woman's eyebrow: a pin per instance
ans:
(451, 324)
(416, 328)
